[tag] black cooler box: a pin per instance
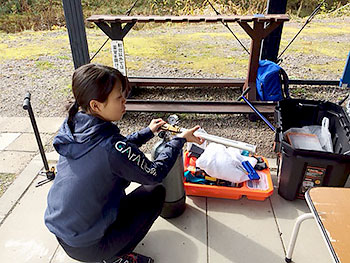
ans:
(300, 169)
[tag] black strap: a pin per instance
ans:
(285, 83)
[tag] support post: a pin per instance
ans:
(271, 44)
(76, 31)
(116, 33)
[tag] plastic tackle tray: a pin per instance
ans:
(253, 190)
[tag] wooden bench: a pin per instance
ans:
(117, 27)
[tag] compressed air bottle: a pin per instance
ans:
(175, 198)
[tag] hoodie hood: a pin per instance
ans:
(88, 132)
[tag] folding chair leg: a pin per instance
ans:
(294, 236)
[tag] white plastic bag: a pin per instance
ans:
(224, 163)
(322, 133)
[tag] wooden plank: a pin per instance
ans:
(246, 18)
(197, 107)
(211, 19)
(183, 19)
(178, 19)
(185, 82)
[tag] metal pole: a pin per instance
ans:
(271, 43)
(76, 31)
(27, 106)
(242, 97)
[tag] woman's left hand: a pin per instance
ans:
(156, 124)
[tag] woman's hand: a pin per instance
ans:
(190, 137)
(156, 124)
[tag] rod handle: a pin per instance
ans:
(243, 94)
(26, 101)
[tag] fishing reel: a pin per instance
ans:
(170, 128)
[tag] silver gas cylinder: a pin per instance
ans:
(175, 198)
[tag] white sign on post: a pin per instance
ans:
(118, 56)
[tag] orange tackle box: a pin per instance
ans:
(253, 190)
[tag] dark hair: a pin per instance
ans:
(93, 82)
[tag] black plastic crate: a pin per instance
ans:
(300, 169)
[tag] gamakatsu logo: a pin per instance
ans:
(136, 158)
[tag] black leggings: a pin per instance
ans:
(137, 212)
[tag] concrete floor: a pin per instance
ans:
(210, 230)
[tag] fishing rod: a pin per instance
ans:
(313, 14)
(226, 25)
(242, 97)
(131, 8)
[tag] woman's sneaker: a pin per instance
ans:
(133, 258)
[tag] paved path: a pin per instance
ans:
(210, 230)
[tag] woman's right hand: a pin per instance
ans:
(190, 137)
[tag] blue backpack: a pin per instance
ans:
(269, 81)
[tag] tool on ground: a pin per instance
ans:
(252, 174)
(49, 172)
(260, 165)
(209, 137)
(195, 151)
(242, 97)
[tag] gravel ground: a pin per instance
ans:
(6, 180)
(50, 95)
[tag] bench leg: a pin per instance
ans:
(294, 236)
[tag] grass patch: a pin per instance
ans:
(297, 91)
(319, 45)
(333, 66)
(64, 57)
(185, 51)
(327, 29)
(202, 50)
(315, 29)
(31, 45)
(5, 181)
(317, 48)
(227, 66)
(44, 65)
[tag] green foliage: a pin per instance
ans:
(191, 7)
(19, 15)
(303, 8)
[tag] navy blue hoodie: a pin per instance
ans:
(95, 166)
